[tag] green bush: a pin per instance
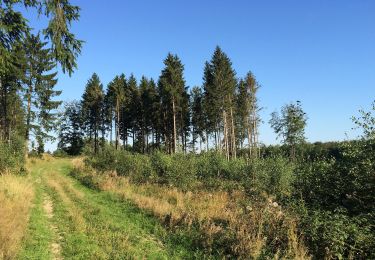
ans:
(12, 157)
(335, 235)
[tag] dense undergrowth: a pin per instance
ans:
(12, 156)
(269, 207)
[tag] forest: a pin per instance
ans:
(154, 168)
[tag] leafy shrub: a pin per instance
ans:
(12, 155)
(335, 235)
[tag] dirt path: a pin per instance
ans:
(71, 221)
(55, 245)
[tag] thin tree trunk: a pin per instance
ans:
(28, 121)
(117, 125)
(249, 136)
(207, 140)
(226, 150)
(110, 135)
(174, 126)
(233, 135)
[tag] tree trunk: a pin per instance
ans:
(234, 152)
(28, 121)
(117, 124)
(249, 138)
(207, 140)
(174, 126)
(110, 135)
(226, 150)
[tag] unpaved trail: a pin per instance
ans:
(71, 221)
(55, 245)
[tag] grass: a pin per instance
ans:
(220, 223)
(16, 194)
(36, 244)
(88, 224)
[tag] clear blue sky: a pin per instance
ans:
(319, 52)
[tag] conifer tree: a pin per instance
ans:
(219, 87)
(93, 113)
(197, 116)
(70, 133)
(116, 94)
(171, 87)
(129, 110)
(39, 90)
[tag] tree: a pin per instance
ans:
(129, 111)
(290, 125)
(65, 47)
(93, 113)
(219, 88)
(116, 94)
(39, 90)
(247, 112)
(366, 122)
(171, 89)
(70, 133)
(25, 64)
(197, 117)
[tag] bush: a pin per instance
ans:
(12, 155)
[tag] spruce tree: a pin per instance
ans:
(39, 82)
(116, 94)
(93, 110)
(172, 87)
(70, 133)
(219, 87)
(197, 116)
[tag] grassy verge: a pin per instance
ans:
(16, 194)
(220, 223)
(100, 225)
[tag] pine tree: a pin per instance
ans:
(154, 111)
(219, 87)
(198, 116)
(70, 133)
(116, 94)
(39, 90)
(171, 89)
(93, 109)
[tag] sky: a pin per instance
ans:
(320, 52)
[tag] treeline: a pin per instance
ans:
(326, 194)
(28, 63)
(145, 115)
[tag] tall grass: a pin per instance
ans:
(228, 223)
(16, 194)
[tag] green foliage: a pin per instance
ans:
(290, 125)
(12, 155)
(331, 188)
(366, 122)
(338, 196)
(70, 133)
(335, 235)
(93, 110)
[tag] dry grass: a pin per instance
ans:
(245, 227)
(16, 194)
